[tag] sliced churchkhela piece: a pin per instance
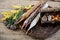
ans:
(31, 17)
(26, 14)
(34, 22)
(36, 19)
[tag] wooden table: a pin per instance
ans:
(7, 34)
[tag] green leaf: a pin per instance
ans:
(20, 13)
(11, 21)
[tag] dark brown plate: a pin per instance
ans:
(42, 32)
